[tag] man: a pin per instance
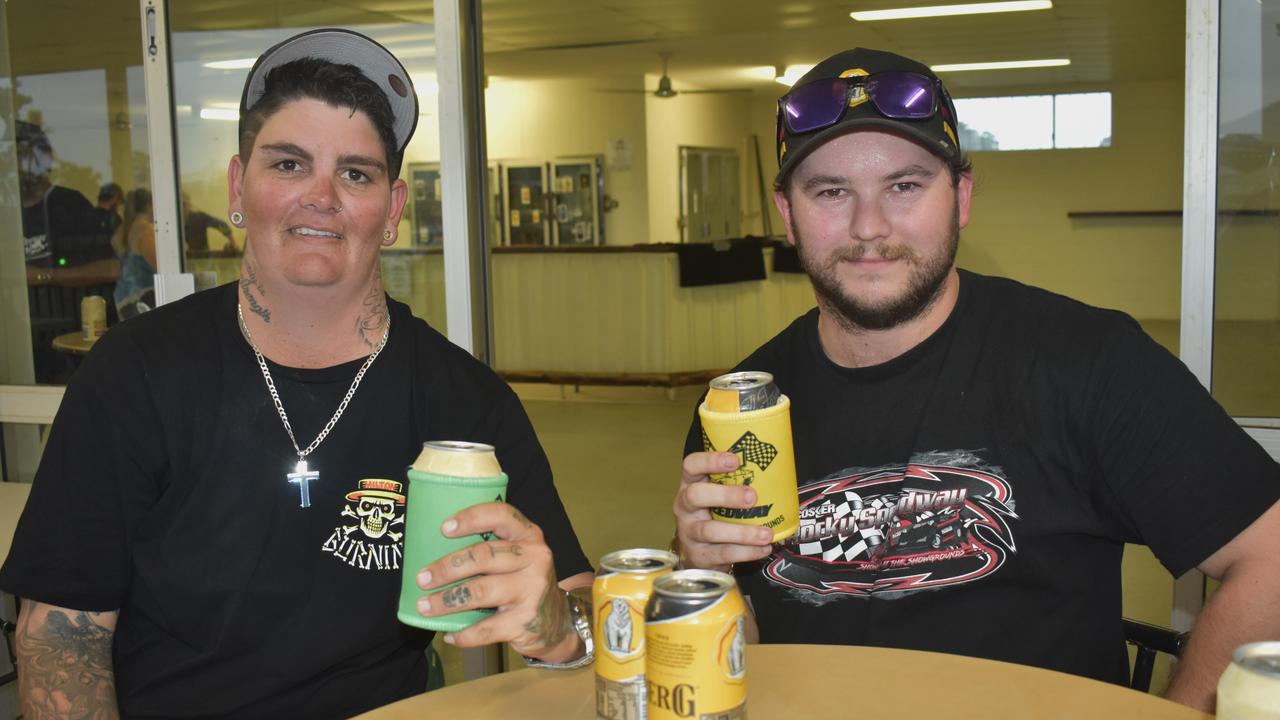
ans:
(972, 453)
(110, 203)
(66, 259)
(168, 558)
(196, 225)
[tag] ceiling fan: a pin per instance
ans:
(665, 90)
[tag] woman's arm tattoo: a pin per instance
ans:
(64, 666)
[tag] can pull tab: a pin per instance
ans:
(152, 48)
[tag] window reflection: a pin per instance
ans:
(75, 141)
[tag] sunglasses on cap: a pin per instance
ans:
(895, 94)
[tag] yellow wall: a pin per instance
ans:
(544, 119)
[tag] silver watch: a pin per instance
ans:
(580, 616)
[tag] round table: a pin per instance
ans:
(786, 681)
(74, 343)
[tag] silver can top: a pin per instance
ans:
(755, 389)
(638, 560)
(458, 446)
(694, 584)
(1259, 657)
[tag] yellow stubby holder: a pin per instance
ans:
(762, 441)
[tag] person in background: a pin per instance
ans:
(169, 563)
(972, 453)
(196, 225)
(135, 291)
(110, 203)
(66, 258)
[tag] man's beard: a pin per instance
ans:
(924, 283)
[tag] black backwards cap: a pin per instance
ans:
(343, 47)
(937, 133)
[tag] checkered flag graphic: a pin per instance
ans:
(857, 544)
(755, 450)
(706, 441)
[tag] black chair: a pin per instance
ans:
(1148, 640)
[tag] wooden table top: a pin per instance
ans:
(74, 343)
(788, 681)
(13, 497)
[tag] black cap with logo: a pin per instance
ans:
(898, 94)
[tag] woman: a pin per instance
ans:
(135, 291)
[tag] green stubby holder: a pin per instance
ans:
(446, 478)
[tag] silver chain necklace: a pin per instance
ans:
(301, 474)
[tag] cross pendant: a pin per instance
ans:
(303, 476)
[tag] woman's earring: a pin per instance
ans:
(388, 235)
(237, 218)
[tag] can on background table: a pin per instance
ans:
(744, 413)
(618, 598)
(93, 317)
(1250, 687)
(448, 477)
(696, 647)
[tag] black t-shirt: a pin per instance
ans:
(974, 494)
(163, 493)
(63, 229)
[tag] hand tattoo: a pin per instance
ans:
(248, 284)
(460, 560)
(551, 624)
(520, 518)
(456, 596)
(512, 549)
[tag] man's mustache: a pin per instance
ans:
(878, 251)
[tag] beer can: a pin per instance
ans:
(1250, 687)
(618, 598)
(448, 477)
(745, 414)
(93, 317)
(696, 647)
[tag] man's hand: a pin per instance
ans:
(704, 541)
(513, 573)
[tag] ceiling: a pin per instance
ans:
(712, 42)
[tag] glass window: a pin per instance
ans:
(75, 150)
(1246, 332)
(1035, 122)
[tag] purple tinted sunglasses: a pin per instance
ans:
(897, 95)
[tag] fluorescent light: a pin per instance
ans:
(792, 74)
(943, 10)
(1012, 65)
(241, 64)
(209, 113)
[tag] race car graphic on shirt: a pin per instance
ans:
(375, 539)
(941, 520)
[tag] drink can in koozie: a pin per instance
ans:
(745, 414)
(1250, 687)
(696, 647)
(618, 598)
(448, 477)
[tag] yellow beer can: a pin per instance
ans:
(93, 317)
(618, 598)
(696, 638)
(1250, 687)
(745, 414)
